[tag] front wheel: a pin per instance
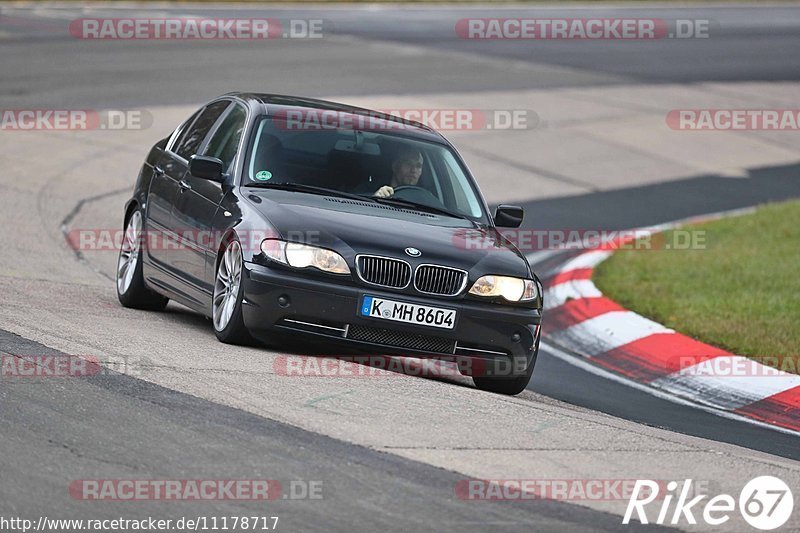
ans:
(226, 304)
(504, 385)
(131, 289)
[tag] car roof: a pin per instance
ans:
(272, 104)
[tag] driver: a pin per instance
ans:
(406, 170)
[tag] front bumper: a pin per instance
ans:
(487, 339)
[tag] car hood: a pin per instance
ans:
(354, 227)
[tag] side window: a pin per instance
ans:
(180, 131)
(465, 203)
(197, 132)
(225, 141)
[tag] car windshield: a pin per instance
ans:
(383, 165)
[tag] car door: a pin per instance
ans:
(175, 169)
(199, 199)
(161, 196)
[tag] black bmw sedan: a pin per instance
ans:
(273, 214)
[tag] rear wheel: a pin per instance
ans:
(131, 289)
(226, 304)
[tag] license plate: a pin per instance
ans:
(409, 313)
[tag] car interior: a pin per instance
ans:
(325, 160)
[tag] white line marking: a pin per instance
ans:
(708, 391)
(715, 382)
(596, 370)
(586, 260)
(577, 289)
(608, 331)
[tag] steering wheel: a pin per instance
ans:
(415, 193)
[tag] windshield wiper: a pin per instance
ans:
(312, 189)
(423, 207)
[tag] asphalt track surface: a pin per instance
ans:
(193, 435)
(150, 431)
(749, 43)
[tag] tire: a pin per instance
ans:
(508, 386)
(226, 302)
(131, 290)
(504, 385)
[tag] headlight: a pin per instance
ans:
(512, 289)
(304, 256)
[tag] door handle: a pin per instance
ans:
(158, 171)
(184, 185)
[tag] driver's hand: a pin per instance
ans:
(384, 192)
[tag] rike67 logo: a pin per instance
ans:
(765, 503)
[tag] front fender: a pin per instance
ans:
(236, 218)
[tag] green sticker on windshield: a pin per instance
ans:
(264, 175)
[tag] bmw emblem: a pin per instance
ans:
(413, 252)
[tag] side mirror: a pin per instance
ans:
(207, 168)
(508, 216)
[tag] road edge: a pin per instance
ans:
(585, 324)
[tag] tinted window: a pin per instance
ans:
(181, 131)
(225, 141)
(193, 138)
(360, 161)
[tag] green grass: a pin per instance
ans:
(740, 292)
